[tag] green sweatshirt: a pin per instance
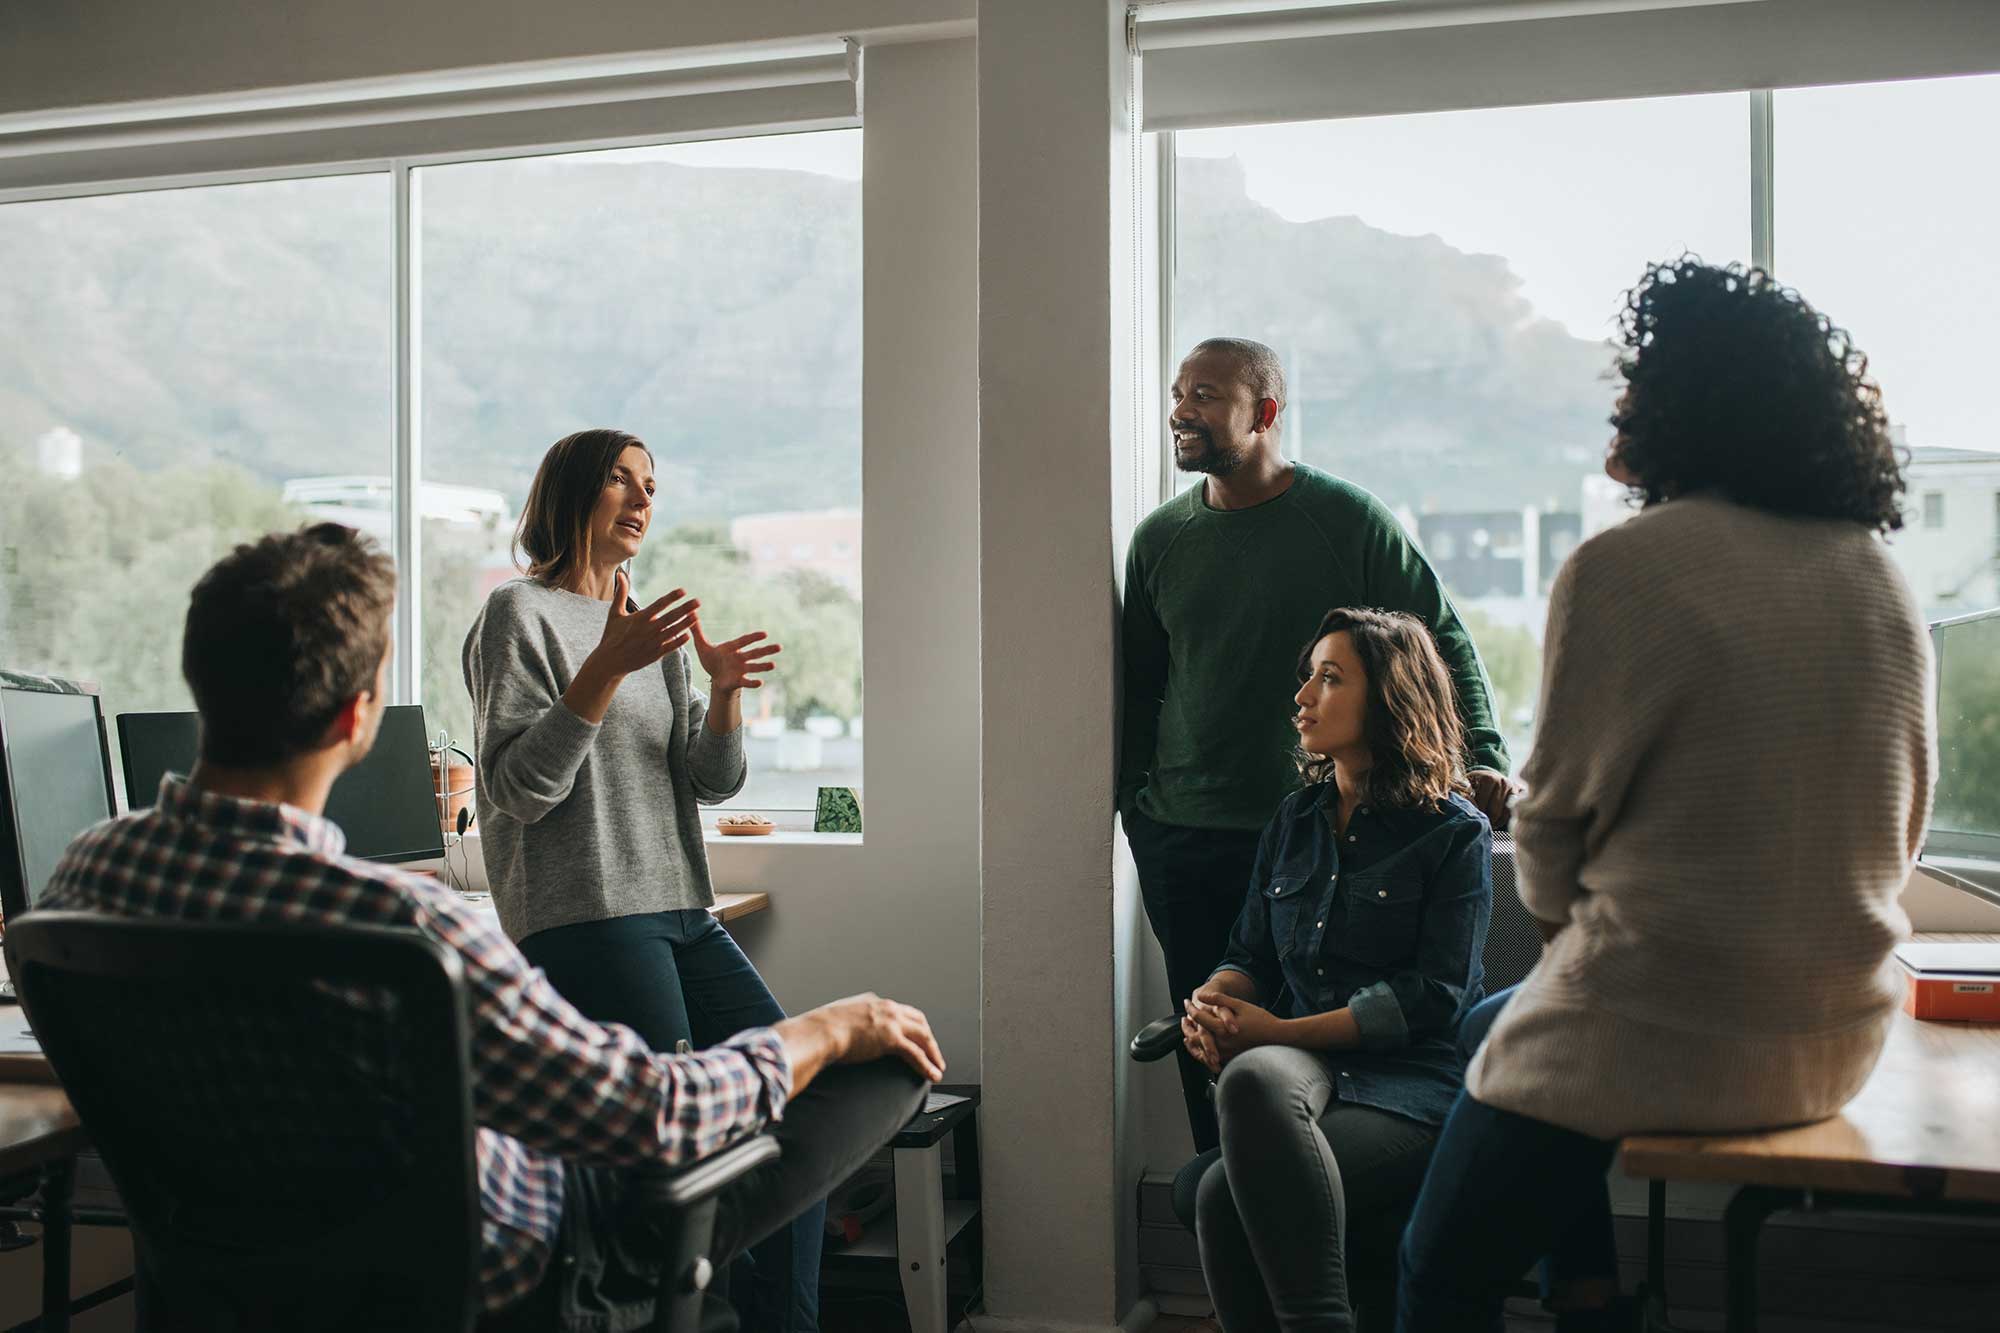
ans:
(1218, 603)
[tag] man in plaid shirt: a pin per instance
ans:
(286, 652)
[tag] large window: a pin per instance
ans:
(1884, 222)
(1441, 289)
(186, 368)
(706, 298)
(175, 367)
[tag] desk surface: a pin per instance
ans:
(732, 906)
(727, 907)
(36, 1124)
(1926, 1124)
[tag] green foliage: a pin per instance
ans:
(1968, 789)
(816, 620)
(456, 562)
(1514, 666)
(95, 572)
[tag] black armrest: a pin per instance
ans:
(1157, 1039)
(698, 1180)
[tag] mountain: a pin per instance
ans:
(1416, 369)
(716, 313)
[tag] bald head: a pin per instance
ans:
(1226, 401)
(1256, 364)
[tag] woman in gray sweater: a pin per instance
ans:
(1731, 776)
(594, 757)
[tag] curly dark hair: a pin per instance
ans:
(1415, 735)
(1737, 386)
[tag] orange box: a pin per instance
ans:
(1952, 982)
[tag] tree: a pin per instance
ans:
(95, 570)
(1514, 666)
(816, 620)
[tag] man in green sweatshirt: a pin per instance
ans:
(1223, 584)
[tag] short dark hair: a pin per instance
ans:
(1258, 364)
(1416, 739)
(280, 634)
(1738, 387)
(554, 532)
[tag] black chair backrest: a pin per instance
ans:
(286, 1111)
(1514, 938)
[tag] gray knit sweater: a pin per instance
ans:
(583, 821)
(1732, 770)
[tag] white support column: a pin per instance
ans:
(1055, 360)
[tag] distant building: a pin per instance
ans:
(1606, 503)
(1949, 548)
(1498, 553)
(362, 502)
(822, 541)
(59, 453)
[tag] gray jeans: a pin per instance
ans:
(1297, 1164)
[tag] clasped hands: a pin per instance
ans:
(1216, 1027)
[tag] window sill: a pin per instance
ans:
(782, 838)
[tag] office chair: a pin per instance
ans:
(1513, 947)
(287, 1112)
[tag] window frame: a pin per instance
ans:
(406, 453)
(1759, 176)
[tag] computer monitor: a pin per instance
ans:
(1965, 812)
(385, 804)
(55, 778)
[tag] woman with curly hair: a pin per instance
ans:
(1731, 776)
(1332, 1019)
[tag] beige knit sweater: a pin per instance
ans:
(1731, 774)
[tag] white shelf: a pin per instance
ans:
(878, 1238)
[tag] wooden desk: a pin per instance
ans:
(1926, 1126)
(735, 906)
(727, 907)
(39, 1132)
(1922, 1136)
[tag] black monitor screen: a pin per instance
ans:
(1966, 813)
(385, 804)
(58, 781)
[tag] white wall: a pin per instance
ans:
(899, 914)
(1054, 360)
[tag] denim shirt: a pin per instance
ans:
(1388, 922)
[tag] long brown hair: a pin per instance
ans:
(1412, 726)
(554, 532)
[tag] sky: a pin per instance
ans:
(1885, 195)
(1885, 199)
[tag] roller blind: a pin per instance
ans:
(1204, 68)
(455, 113)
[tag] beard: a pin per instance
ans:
(1204, 455)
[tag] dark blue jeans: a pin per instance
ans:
(678, 976)
(1192, 882)
(1503, 1190)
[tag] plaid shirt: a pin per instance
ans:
(547, 1083)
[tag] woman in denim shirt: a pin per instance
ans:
(1332, 1020)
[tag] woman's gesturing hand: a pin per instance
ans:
(634, 640)
(735, 664)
